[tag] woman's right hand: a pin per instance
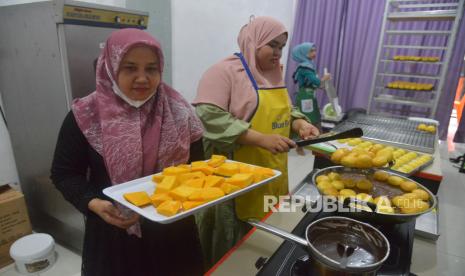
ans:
(276, 143)
(110, 214)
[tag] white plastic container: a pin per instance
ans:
(33, 253)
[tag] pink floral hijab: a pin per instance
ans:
(135, 142)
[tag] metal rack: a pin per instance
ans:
(397, 132)
(398, 37)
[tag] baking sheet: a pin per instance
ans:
(337, 145)
(146, 184)
(393, 131)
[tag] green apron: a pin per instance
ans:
(308, 105)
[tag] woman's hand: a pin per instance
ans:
(272, 142)
(326, 77)
(110, 214)
(304, 129)
(276, 143)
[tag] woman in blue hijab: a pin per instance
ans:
(307, 79)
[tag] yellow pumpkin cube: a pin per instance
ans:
(187, 205)
(168, 183)
(227, 169)
(195, 182)
(184, 177)
(229, 188)
(257, 177)
(241, 180)
(169, 208)
(196, 196)
(216, 160)
(175, 170)
(137, 198)
(206, 194)
(181, 193)
(184, 166)
(197, 164)
(157, 178)
(207, 170)
(244, 168)
(265, 171)
(158, 199)
(213, 181)
(209, 194)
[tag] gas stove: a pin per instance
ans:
(292, 259)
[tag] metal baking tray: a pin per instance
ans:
(393, 131)
(146, 184)
(338, 145)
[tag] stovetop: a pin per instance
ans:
(285, 260)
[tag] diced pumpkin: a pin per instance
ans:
(266, 171)
(169, 208)
(216, 160)
(175, 171)
(157, 199)
(241, 180)
(207, 170)
(227, 169)
(195, 182)
(257, 177)
(184, 166)
(168, 183)
(218, 156)
(206, 194)
(197, 164)
(181, 193)
(138, 198)
(244, 168)
(213, 181)
(261, 173)
(187, 205)
(229, 188)
(196, 196)
(209, 194)
(157, 178)
(184, 177)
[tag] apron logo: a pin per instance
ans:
(275, 125)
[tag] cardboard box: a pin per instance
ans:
(14, 221)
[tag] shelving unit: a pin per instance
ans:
(413, 28)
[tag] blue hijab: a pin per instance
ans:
(300, 55)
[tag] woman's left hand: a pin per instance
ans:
(304, 129)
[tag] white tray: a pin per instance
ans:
(146, 184)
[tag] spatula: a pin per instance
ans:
(351, 133)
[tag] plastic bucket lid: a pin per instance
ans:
(32, 247)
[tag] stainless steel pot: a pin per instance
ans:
(383, 189)
(339, 245)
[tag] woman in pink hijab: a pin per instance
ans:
(247, 115)
(132, 126)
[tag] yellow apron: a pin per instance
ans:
(272, 116)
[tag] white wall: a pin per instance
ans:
(205, 31)
(119, 3)
(8, 172)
